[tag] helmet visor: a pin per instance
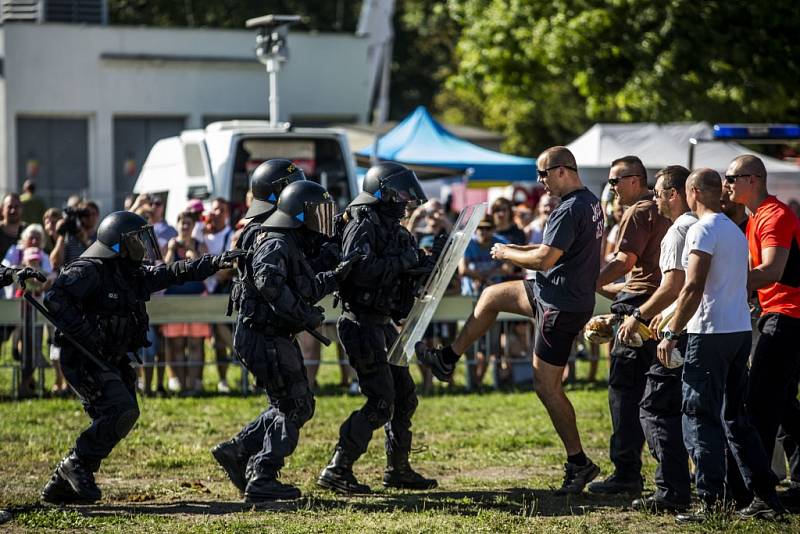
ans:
(142, 245)
(405, 187)
(319, 217)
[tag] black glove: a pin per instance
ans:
(438, 246)
(25, 273)
(330, 253)
(346, 265)
(408, 259)
(228, 259)
(315, 318)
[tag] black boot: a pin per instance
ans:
(267, 488)
(399, 474)
(80, 477)
(339, 477)
(58, 491)
(232, 457)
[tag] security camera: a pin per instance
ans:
(271, 39)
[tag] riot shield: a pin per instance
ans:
(425, 305)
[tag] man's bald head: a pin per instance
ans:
(706, 180)
(555, 156)
(749, 164)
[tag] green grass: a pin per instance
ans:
(496, 456)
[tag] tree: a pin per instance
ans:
(426, 35)
(542, 71)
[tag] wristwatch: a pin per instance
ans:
(669, 335)
(637, 314)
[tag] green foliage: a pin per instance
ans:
(424, 47)
(542, 71)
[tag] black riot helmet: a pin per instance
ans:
(390, 183)
(304, 204)
(267, 182)
(123, 234)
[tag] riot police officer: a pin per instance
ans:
(374, 295)
(278, 302)
(266, 183)
(99, 299)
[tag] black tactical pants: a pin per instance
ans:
(390, 390)
(626, 384)
(109, 397)
(277, 364)
(772, 389)
(660, 415)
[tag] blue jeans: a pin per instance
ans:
(714, 416)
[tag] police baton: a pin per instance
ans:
(319, 337)
(83, 350)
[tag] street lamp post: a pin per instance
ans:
(272, 49)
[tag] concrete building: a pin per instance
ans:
(81, 105)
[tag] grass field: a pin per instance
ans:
(495, 455)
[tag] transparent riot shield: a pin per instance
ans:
(425, 306)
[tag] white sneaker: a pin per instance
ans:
(223, 387)
(173, 384)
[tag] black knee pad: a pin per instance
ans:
(125, 422)
(411, 403)
(378, 412)
(303, 410)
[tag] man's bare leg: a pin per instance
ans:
(547, 382)
(505, 297)
(508, 297)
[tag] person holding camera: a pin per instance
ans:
(74, 233)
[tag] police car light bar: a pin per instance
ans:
(756, 131)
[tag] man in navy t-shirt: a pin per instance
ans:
(560, 297)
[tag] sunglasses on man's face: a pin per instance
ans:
(731, 178)
(614, 180)
(543, 172)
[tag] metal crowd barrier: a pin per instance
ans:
(203, 309)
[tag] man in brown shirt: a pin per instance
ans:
(637, 252)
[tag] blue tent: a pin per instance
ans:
(420, 141)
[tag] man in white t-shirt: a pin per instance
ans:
(713, 308)
(660, 407)
(218, 237)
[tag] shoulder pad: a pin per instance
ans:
(79, 269)
(249, 237)
(362, 213)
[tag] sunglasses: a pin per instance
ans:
(543, 172)
(659, 194)
(731, 178)
(614, 180)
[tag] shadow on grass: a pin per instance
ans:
(514, 501)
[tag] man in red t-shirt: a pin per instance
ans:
(773, 234)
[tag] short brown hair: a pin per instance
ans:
(674, 176)
(500, 204)
(635, 164)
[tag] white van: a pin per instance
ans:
(218, 160)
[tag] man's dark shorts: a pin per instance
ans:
(556, 330)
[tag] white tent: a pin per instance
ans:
(659, 145)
